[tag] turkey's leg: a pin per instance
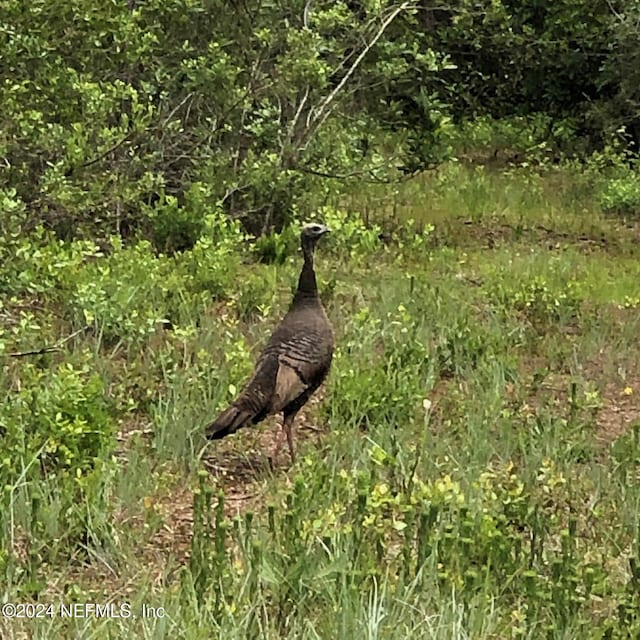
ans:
(287, 425)
(288, 428)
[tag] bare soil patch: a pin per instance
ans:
(620, 411)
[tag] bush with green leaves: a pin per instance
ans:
(12, 221)
(276, 248)
(278, 108)
(350, 237)
(258, 103)
(382, 371)
(132, 290)
(178, 224)
(58, 433)
(538, 301)
(621, 196)
(124, 296)
(257, 297)
(210, 267)
(516, 138)
(59, 422)
(40, 265)
(386, 531)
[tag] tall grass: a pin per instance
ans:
(475, 474)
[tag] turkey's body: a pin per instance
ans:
(293, 364)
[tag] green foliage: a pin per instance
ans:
(516, 139)
(497, 533)
(248, 102)
(539, 303)
(128, 295)
(275, 110)
(350, 236)
(121, 296)
(58, 436)
(174, 227)
(381, 371)
(491, 492)
(210, 266)
(59, 422)
(621, 196)
(11, 221)
(521, 60)
(277, 247)
(256, 298)
(209, 560)
(96, 141)
(40, 264)
(460, 346)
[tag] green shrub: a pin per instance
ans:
(621, 196)
(60, 417)
(537, 301)
(123, 295)
(350, 237)
(275, 248)
(129, 292)
(56, 467)
(257, 295)
(211, 265)
(381, 373)
(173, 227)
(38, 264)
(12, 219)
(177, 226)
(499, 533)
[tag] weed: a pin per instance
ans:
(478, 474)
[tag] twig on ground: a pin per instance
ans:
(47, 349)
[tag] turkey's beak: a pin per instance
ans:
(325, 230)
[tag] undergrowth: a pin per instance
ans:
(475, 472)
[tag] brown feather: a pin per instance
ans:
(288, 387)
(227, 422)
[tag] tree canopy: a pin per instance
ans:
(141, 115)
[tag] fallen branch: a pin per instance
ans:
(48, 349)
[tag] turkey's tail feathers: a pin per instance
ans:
(229, 421)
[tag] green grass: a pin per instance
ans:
(476, 470)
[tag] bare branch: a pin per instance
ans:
(319, 116)
(307, 13)
(294, 124)
(34, 352)
(48, 349)
(233, 190)
(366, 175)
(129, 136)
(104, 154)
(614, 11)
(176, 108)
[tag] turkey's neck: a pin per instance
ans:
(307, 286)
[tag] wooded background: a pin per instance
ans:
(141, 116)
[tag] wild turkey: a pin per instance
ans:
(294, 363)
